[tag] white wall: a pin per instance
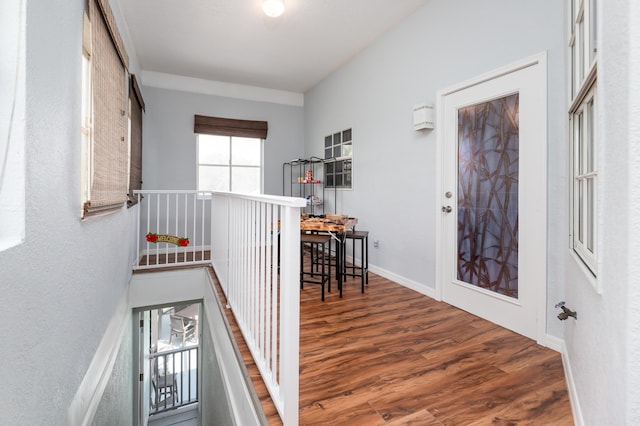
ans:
(169, 144)
(633, 229)
(60, 288)
(216, 410)
(116, 406)
(394, 166)
(604, 344)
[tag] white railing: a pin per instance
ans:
(254, 243)
(256, 259)
(174, 228)
(174, 378)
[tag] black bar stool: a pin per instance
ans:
(361, 271)
(336, 247)
(319, 268)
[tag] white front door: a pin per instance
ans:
(492, 227)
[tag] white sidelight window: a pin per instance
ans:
(582, 51)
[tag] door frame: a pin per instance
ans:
(539, 60)
(140, 324)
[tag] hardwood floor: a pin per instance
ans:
(392, 356)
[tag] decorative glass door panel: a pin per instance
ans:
(488, 164)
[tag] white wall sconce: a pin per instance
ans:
(423, 117)
(273, 8)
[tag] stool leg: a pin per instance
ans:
(366, 264)
(340, 257)
(314, 260)
(322, 277)
(328, 247)
(361, 264)
(353, 257)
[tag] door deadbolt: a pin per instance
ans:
(448, 194)
(447, 209)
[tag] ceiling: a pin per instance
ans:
(233, 41)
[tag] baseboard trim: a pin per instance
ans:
(413, 285)
(84, 404)
(578, 419)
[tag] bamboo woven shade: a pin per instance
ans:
(135, 162)
(109, 156)
(230, 127)
(113, 31)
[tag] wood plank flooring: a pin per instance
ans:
(392, 356)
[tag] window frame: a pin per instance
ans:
(341, 165)
(230, 166)
(86, 125)
(583, 133)
(136, 111)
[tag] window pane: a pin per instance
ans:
(339, 180)
(581, 52)
(590, 214)
(86, 90)
(593, 29)
(329, 180)
(590, 137)
(328, 153)
(329, 167)
(574, 76)
(213, 149)
(346, 150)
(346, 135)
(580, 210)
(245, 179)
(245, 151)
(327, 141)
(579, 146)
(337, 152)
(213, 178)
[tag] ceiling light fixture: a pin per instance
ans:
(273, 8)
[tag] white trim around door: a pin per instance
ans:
(524, 312)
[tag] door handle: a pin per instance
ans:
(447, 209)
